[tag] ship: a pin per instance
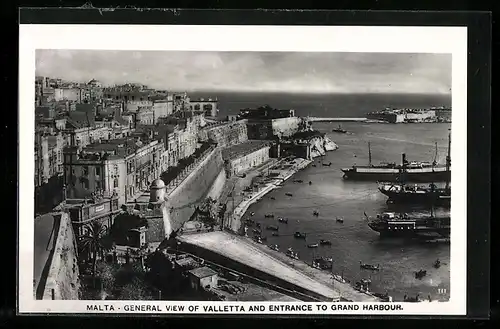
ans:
(419, 194)
(340, 130)
(414, 171)
(390, 224)
(416, 194)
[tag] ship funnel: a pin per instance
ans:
(404, 158)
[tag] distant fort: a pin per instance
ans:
(412, 115)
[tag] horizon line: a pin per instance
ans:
(310, 92)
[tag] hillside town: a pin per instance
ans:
(125, 172)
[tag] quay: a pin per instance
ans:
(246, 199)
(246, 256)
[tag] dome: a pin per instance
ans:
(157, 184)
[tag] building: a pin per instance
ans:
(266, 122)
(48, 157)
(182, 134)
(242, 157)
(266, 112)
(70, 94)
(127, 92)
(123, 167)
(39, 81)
(163, 107)
(275, 128)
(94, 83)
(135, 105)
(46, 112)
(85, 211)
(202, 277)
(208, 106)
(403, 115)
(145, 115)
(225, 134)
(81, 135)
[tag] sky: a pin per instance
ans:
(297, 72)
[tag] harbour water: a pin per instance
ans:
(353, 241)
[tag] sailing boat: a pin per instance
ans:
(420, 194)
(414, 171)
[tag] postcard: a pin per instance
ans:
(242, 170)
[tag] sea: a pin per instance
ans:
(353, 241)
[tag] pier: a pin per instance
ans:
(250, 257)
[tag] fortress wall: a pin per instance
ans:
(204, 179)
(63, 275)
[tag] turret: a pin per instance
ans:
(157, 191)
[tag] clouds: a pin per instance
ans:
(255, 71)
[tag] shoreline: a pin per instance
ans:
(344, 288)
(285, 174)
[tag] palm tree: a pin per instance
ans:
(95, 242)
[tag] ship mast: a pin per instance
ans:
(448, 160)
(435, 155)
(369, 155)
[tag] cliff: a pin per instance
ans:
(320, 145)
(309, 144)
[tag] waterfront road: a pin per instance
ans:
(44, 240)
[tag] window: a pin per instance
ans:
(115, 183)
(97, 171)
(86, 183)
(85, 170)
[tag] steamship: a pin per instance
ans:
(390, 224)
(418, 194)
(392, 172)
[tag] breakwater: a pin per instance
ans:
(317, 119)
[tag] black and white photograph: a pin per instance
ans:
(284, 176)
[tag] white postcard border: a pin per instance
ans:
(452, 40)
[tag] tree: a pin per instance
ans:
(107, 274)
(95, 242)
(209, 211)
(136, 290)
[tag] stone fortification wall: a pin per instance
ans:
(225, 134)
(269, 129)
(182, 201)
(63, 277)
(444, 115)
(285, 127)
(217, 187)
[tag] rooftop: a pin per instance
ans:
(202, 272)
(119, 147)
(187, 262)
